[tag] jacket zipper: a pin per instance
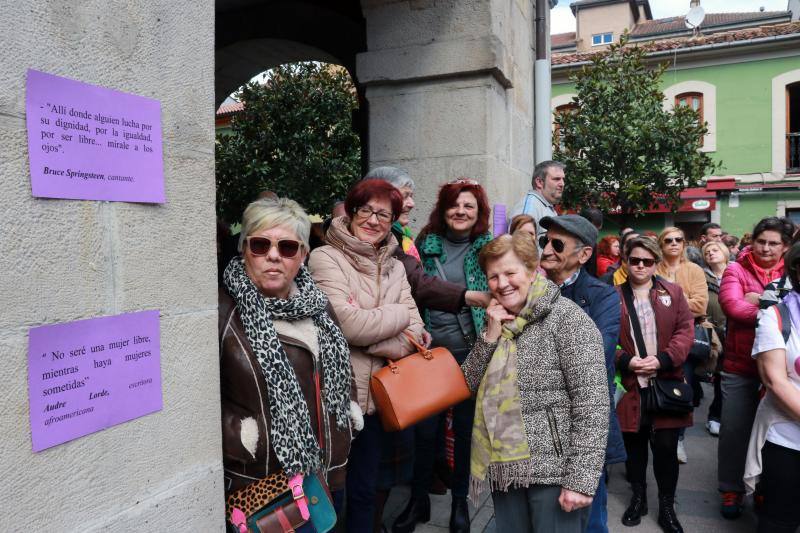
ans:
(551, 421)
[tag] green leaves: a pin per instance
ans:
(294, 137)
(622, 149)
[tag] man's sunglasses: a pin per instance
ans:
(670, 240)
(557, 244)
(287, 248)
(635, 261)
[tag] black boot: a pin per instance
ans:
(417, 510)
(638, 506)
(459, 516)
(667, 518)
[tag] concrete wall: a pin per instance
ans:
(65, 260)
(449, 85)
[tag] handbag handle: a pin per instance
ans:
(424, 352)
(638, 338)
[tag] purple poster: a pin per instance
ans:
(90, 143)
(88, 375)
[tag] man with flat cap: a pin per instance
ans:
(565, 248)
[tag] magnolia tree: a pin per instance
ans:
(294, 138)
(623, 150)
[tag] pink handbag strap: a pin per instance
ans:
(296, 484)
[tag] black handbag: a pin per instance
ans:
(701, 347)
(663, 396)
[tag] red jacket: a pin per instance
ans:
(739, 278)
(675, 327)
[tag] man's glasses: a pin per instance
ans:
(557, 244)
(646, 261)
(365, 211)
(287, 248)
(670, 240)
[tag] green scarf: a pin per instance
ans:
(431, 246)
(498, 431)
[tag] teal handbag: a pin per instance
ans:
(282, 513)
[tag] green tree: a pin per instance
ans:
(294, 137)
(622, 149)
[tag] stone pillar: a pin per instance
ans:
(449, 85)
(65, 260)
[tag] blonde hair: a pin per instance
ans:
(268, 213)
(521, 244)
(667, 231)
(722, 248)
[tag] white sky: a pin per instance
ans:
(561, 19)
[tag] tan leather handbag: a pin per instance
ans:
(417, 386)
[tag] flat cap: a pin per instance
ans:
(575, 225)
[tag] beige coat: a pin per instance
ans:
(370, 295)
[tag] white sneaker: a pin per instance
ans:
(682, 459)
(713, 427)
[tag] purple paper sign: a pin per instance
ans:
(499, 225)
(92, 143)
(88, 375)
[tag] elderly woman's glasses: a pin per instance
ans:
(287, 248)
(670, 240)
(365, 211)
(646, 261)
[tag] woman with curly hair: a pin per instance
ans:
(607, 253)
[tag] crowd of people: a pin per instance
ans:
(580, 352)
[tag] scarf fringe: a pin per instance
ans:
(502, 476)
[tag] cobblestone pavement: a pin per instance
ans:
(697, 497)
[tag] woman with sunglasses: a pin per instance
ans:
(742, 285)
(449, 244)
(677, 268)
(370, 295)
(655, 337)
(280, 347)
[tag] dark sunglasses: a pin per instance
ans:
(287, 248)
(557, 244)
(634, 261)
(670, 240)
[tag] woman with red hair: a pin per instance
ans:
(448, 246)
(370, 295)
(607, 253)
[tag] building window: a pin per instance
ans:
(694, 101)
(602, 38)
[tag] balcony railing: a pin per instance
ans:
(793, 153)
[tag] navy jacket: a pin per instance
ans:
(601, 303)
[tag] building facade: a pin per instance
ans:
(741, 71)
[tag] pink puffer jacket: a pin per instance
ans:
(739, 278)
(369, 292)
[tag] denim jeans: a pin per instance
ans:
(598, 516)
(362, 475)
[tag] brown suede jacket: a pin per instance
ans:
(245, 395)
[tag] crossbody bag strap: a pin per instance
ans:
(627, 294)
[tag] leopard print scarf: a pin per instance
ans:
(292, 436)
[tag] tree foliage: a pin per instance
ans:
(294, 137)
(622, 149)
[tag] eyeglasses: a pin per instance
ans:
(463, 181)
(557, 244)
(366, 211)
(670, 240)
(646, 261)
(287, 248)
